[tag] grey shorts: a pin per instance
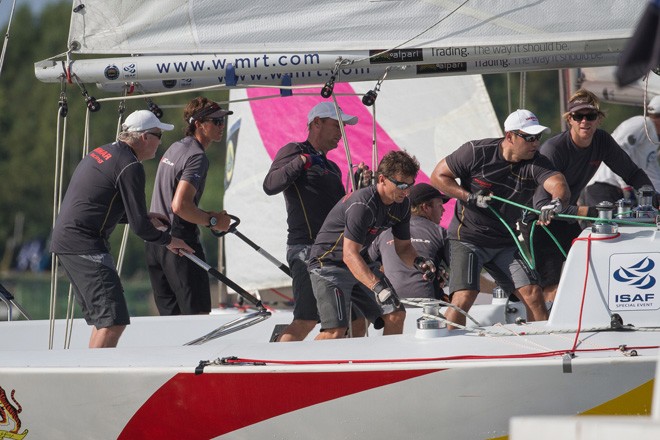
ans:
(304, 301)
(97, 289)
(505, 265)
(336, 289)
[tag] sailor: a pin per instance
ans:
(429, 240)
(638, 136)
(180, 286)
(577, 153)
(107, 188)
(338, 263)
(312, 185)
(510, 168)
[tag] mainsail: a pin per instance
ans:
(428, 117)
(189, 43)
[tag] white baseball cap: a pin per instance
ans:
(525, 121)
(143, 120)
(327, 110)
(654, 106)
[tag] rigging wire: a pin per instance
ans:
(6, 41)
(344, 62)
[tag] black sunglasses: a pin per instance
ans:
(217, 121)
(159, 135)
(528, 137)
(577, 117)
(400, 185)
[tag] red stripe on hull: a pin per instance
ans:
(210, 405)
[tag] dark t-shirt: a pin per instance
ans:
(480, 166)
(360, 216)
(107, 187)
(184, 160)
(309, 193)
(429, 240)
(580, 164)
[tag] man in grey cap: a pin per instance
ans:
(510, 168)
(429, 240)
(180, 286)
(312, 185)
(107, 188)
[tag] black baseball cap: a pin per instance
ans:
(423, 192)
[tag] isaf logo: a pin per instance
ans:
(633, 282)
(637, 275)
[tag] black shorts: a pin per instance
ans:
(180, 286)
(97, 289)
(304, 301)
(548, 258)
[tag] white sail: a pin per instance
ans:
(602, 82)
(184, 41)
(428, 117)
(236, 26)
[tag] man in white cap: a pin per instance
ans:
(180, 286)
(312, 185)
(107, 188)
(510, 168)
(576, 153)
(638, 136)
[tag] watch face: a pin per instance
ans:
(213, 221)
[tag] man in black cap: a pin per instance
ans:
(427, 237)
(180, 286)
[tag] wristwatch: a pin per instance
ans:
(212, 222)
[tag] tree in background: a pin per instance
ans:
(29, 115)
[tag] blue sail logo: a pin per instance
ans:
(637, 275)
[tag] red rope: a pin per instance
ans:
(435, 359)
(588, 239)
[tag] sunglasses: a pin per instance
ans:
(217, 121)
(158, 135)
(528, 137)
(400, 185)
(577, 117)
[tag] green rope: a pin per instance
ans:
(532, 263)
(513, 234)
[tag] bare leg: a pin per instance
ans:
(106, 337)
(464, 300)
(359, 328)
(331, 333)
(549, 292)
(394, 323)
(532, 296)
(297, 330)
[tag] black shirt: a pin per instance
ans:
(360, 216)
(480, 165)
(309, 193)
(107, 187)
(580, 164)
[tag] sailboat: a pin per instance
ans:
(195, 377)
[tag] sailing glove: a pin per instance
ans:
(314, 159)
(426, 266)
(385, 293)
(481, 199)
(550, 210)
